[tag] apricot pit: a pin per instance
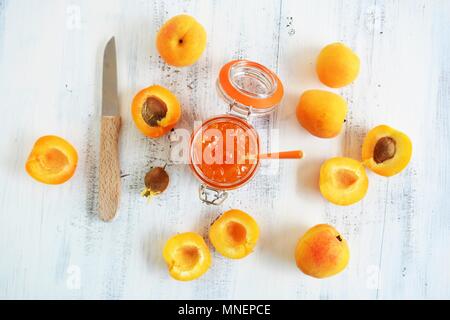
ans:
(153, 110)
(384, 150)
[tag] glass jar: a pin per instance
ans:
(224, 151)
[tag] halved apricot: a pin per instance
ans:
(343, 181)
(52, 160)
(337, 65)
(322, 252)
(386, 151)
(155, 111)
(234, 234)
(322, 113)
(187, 256)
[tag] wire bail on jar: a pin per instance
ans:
(212, 196)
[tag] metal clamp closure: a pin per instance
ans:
(212, 196)
(240, 111)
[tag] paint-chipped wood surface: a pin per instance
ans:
(52, 244)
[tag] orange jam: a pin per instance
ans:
(224, 152)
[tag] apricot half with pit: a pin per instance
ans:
(322, 252)
(187, 256)
(155, 111)
(343, 181)
(52, 160)
(386, 151)
(181, 41)
(234, 234)
(337, 65)
(322, 113)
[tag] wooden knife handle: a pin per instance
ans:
(109, 168)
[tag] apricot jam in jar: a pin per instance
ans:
(224, 150)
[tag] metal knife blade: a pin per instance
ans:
(110, 105)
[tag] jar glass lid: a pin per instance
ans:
(250, 84)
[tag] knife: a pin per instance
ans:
(109, 167)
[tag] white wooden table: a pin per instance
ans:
(52, 245)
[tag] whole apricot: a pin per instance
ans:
(181, 41)
(343, 181)
(337, 65)
(234, 234)
(322, 252)
(322, 113)
(187, 256)
(386, 151)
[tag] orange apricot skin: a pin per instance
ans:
(181, 41)
(322, 252)
(321, 113)
(164, 125)
(64, 167)
(337, 65)
(177, 242)
(392, 166)
(218, 237)
(336, 193)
